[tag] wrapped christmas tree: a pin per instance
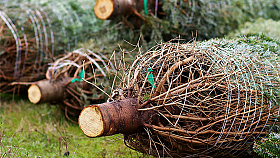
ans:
(74, 81)
(34, 33)
(164, 19)
(209, 98)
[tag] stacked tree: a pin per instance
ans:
(58, 24)
(194, 99)
(20, 59)
(164, 19)
(33, 33)
(68, 81)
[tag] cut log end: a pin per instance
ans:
(120, 116)
(34, 94)
(90, 122)
(103, 9)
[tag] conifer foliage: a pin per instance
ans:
(209, 18)
(268, 146)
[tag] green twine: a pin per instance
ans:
(146, 7)
(151, 79)
(82, 75)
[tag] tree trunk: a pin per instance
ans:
(105, 9)
(111, 118)
(50, 90)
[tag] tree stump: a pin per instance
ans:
(110, 118)
(51, 90)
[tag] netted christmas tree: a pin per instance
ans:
(209, 98)
(209, 18)
(165, 19)
(34, 33)
(74, 80)
(268, 146)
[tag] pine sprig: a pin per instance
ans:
(268, 146)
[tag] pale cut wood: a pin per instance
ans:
(52, 90)
(103, 9)
(112, 118)
(108, 9)
(48, 90)
(34, 94)
(91, 123)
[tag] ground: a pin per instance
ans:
(29, 130)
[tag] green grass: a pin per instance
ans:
(29, 130)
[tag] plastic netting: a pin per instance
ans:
(34, 32)
(210, 98)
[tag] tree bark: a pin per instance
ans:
(111, 118)
(50, 90)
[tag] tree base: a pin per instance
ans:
(51, 90)
(110, 118)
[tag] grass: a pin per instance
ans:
(29, 130)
